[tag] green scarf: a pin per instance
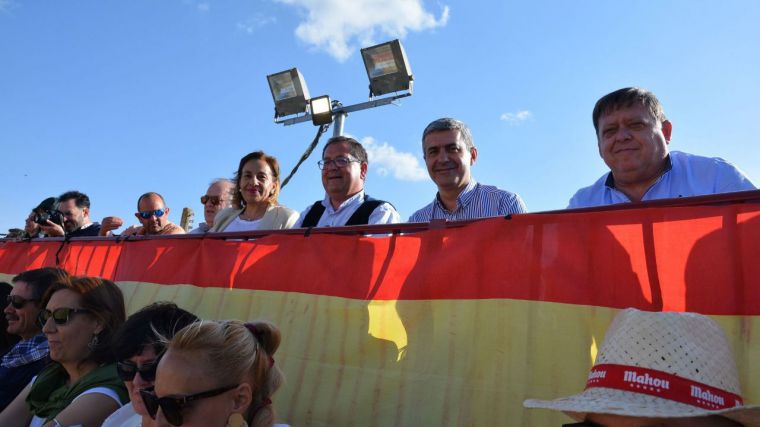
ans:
(50, 395)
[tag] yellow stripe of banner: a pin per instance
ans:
(463, 362)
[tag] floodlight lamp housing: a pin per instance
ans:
(387, 68)
(321, 110)
(289, 91)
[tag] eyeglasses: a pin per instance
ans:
(147, 214)
(18, 302)
(127, 370)
(339, 162)
(172, 406)
(215, 200)
(61, 316)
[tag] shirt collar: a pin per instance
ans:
(464, 198)
(356, 198)
(610, 181)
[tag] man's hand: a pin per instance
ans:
(109, 224)
(52, 229)
(133, 230)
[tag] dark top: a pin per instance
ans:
(360, 217)
(90, 231)
(14, 380)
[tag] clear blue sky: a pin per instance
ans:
(118, 98)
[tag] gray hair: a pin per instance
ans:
(447, 123)
(221, 180)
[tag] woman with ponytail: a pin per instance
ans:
(216, 374)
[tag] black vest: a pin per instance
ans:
(360, 217)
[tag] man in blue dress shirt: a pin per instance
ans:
(449, 154)
(633, 136)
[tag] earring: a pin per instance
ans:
(236, 420)
(93, 343)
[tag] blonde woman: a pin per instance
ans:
(217, 373)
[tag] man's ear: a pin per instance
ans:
(86, 212)
(363, 169)
(137, 215)
(667, 130)
(473, 155)
(166, 211)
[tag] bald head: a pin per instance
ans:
(152, 213)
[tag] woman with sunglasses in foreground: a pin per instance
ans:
(80, 386)
(138, 346)
(217, 373)
(254, 198)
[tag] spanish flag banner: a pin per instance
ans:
(449, 325)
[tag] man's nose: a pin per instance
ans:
(622, 134)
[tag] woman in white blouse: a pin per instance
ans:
(254, 198)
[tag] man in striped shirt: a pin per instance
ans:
(449, 153)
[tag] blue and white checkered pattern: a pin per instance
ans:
(26, 351)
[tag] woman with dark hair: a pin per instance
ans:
(80, 386)
(224, 370)
(138, 346)
(254, 198)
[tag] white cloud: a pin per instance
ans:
(203, 7)
(516, 118)
(385, 160)
(341, 26)
(6, 5)
(255, 22)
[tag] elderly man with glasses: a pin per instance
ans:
(344, 170)
(217, 197)
(153, 215)
(30, 355)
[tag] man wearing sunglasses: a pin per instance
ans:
(344, 170)
(28, 356)
(153, 214)
(217, 197)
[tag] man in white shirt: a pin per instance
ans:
(344, 170)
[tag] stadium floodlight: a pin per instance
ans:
(321, 110)
(289, 91)
(388, 71)
(387, 68)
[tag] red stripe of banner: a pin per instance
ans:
(699, 258)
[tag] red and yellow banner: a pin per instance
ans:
(446, 326)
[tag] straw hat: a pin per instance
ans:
(664, 365)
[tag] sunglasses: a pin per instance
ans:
(128, 369)
(61, 316)
(18, 302)
(147, 214)
(215, 200)
(172, 406)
